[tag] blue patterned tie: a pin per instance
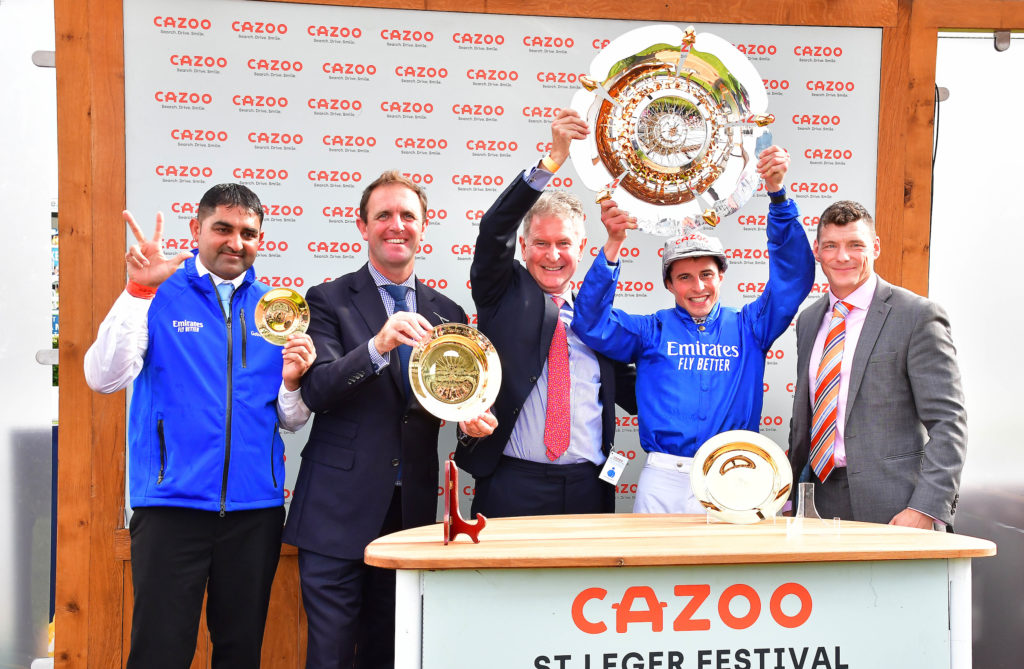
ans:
(224, 291)
(398, 294)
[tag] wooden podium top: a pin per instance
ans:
(633, 540)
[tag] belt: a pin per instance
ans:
(676, 463)
(550, 469)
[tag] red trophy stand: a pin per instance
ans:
(454, 524)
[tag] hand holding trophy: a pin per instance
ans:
(679, 118)
(454, 372)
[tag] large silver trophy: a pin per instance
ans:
(678, 119)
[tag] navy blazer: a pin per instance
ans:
(364, 426)
(519, 319)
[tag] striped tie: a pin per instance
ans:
(826, 394)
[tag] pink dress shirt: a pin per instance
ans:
(860, 299)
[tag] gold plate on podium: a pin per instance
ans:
(741, 477)
(279, 313)
(454, 372)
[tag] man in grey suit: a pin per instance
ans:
(895, 449)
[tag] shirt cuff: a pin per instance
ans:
(779, 196)
(376, 358)
(291, 410)
(537, 177)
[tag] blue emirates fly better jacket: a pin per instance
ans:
(203, 426)
(694, 381)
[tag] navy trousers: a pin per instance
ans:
(524, 488)
(350, 607)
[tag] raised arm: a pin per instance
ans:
(116, 357)
(790, 261)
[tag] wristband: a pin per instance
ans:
(548, 163)
(138, 290)
(778, 197)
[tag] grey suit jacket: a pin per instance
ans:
(905, 424)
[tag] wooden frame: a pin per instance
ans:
(93, 579)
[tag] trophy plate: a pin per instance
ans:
(454, 372)
(279, 313)
(741, 477)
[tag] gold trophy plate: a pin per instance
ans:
(455, 372)
(279, 313)
(741, 477)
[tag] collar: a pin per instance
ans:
(860, 298)
(202, 271)
(381, 280)
(710, 318)
(566, 296)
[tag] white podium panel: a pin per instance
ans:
(837, 614)
(631, 591)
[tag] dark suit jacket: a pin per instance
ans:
(364, 425)
(905, 424)
(519, 319)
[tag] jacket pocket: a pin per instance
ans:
(241, 320)
(328, 441)
(902, 456)
(163, 448)
(329, 455)
(273, 435)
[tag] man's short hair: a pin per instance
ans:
(391, 178)
(843, 213)
(558, 203)
(229, 195)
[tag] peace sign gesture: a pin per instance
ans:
(147, 264)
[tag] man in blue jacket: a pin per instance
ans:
(205, 459)
(700, 366)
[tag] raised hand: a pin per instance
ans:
(616, 222)
(566, 127)
(147, 264)
(772, 165)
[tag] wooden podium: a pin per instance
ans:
(626, 591)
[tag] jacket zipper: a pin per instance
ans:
(241, 320)
(163, 450)
(273, 475)
(227, 429)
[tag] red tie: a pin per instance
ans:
(556, 422)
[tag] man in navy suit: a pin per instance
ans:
(517, 471)
(370, 466)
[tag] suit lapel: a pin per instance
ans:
(368, 302)
(878, 311)
(807, 327)
(426, 305)
(809, 323)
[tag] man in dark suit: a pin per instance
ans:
(370, 466)
(895, 449)
(538, 462)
